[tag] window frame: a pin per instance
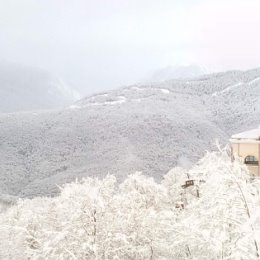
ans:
(251, 160)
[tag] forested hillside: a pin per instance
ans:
(144, 127)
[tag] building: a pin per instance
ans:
(247, 146)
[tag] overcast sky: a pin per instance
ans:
(101, 44)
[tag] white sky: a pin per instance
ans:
(100, 44)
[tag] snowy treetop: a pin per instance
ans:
(210, 212)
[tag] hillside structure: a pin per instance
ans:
(247, 146)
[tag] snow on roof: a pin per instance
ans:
(251, 134)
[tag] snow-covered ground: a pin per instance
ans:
(227, 89)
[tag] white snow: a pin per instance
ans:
(74, 107)
(138, 89)
(235, 86)
(120, 100)
(165, 91)
(251, 134)
(253, 81)
(101, 95)
(227, 89)
(142, 219)
(188, 114)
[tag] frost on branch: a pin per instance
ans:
(216, 216)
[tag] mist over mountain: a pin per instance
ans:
(178, 72)
(24, 88)
(149, 127)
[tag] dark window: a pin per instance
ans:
(250, 159)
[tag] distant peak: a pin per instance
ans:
(178, 72)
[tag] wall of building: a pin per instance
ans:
(243, 149)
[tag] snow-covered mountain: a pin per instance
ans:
(25, 88)
(144, 127)
(178, 72)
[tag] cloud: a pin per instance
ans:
(96, 45)
(227, 34)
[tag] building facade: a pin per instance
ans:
(247, 146)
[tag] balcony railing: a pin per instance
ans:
(251, 162)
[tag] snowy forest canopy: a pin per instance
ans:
(211, 211)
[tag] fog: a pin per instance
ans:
(99, 45)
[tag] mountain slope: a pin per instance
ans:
(24, 89)
(148, 128)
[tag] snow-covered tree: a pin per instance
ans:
(211, 211)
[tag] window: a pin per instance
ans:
(250, 159)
